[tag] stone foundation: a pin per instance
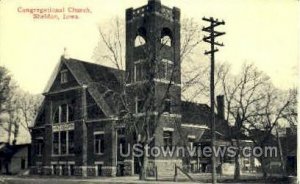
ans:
(34, 170)
(109, 171)
(78, 171)
(81, 171)
(128, 168)
(47, 170)
(91, 171)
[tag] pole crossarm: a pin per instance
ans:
(211, 40)
(211, 51)
(211, 19)
(215, 33)
(212, 33)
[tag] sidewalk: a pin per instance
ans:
(199, 178)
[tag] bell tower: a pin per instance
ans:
(153, 49)
(153, 67)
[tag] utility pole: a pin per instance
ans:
(211, 40)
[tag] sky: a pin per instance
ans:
(264, 32)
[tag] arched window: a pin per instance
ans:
(70, 113)
(166, 40)
(140, 39)
(56, 116)
(166, 37)
(64, 114)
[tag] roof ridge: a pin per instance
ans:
(93, 63)
(92, 91)
(195, 103)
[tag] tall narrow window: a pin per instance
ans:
(99, 168)
(165, 69)
(191, 141)
(56, 118)
(64, 76)
(64, 169)
(99, 143)
(167, 105)
(72, 169)
(71, 142)
(138, 72)
(169, 70)
(63, 114)
(39, 147)
(139, 105)
(161, 70)
(122, 139)
(168, 138)
(71, 116)
(56, 169)
(63, 143)
(55, 142)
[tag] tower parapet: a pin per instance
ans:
(153, 6)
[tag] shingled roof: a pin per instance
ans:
(199, 114)
(99, 80)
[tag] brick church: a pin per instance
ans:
(80, 125)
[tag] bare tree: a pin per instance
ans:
(28, 105)
(241, 98)
(241, 93)
(290, 114)
(144, 127)
(261, 127)
(18, 106)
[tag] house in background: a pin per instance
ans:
(14, 151)
(289, 149)
(14, 159)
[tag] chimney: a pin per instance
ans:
(220, 106)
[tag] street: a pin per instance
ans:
(127, 180)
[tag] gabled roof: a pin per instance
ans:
(8, 151)
(98, 79)
(195, 113)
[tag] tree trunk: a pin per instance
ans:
(143, 173)
(237, 171)
(281, 154)
(263, 169)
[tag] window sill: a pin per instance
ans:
(64, 155)
(99, 154)
(67, 122)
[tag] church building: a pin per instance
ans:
(82, 120)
